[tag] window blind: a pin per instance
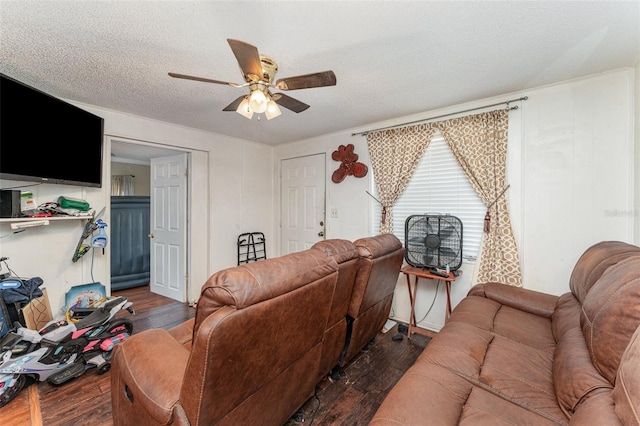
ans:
(439, 186)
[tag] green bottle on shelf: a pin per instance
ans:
(73, 203)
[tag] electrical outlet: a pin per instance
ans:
(334, 213)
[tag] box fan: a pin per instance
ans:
(433, 241)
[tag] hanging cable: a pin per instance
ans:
(432, 303)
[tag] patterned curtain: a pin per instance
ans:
(479, 142)
(122, 185)
(395, 154)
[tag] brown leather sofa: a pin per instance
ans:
(514, 356)
(263, 336)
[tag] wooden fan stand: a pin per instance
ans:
(418, 273)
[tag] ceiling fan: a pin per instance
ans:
(259, 72)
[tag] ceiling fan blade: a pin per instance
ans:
(289, 103)
(319, 79)
(206, 80)
(234, 105)
(247, 56)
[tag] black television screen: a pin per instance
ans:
(45, 139)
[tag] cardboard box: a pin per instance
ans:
(37, 313)
(27, 202)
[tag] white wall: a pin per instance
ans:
(241, 199)
(570, 167)
(577, 169)
(230, 190)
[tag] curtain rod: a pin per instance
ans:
(524, 98)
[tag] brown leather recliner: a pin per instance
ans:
(346, 255)
(380, 262)
(254, 356)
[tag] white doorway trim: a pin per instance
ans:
(141, 152)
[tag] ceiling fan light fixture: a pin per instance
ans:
(258, 101)
(259, 73)
(244, 109)
(273, 110)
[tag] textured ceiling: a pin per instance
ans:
(391, 58)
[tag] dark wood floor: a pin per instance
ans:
(353, 399)
(350, 400)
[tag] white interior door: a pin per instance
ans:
(302, 207)
(169, 226)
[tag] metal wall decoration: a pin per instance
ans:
(349, 166)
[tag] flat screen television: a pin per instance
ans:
(45, 139)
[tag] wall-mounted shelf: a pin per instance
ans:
(28, 222)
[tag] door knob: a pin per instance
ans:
(321, 234)
(151, 236)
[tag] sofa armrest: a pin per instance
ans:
(531, 301)
(146, 376)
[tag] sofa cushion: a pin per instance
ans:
(610, 315)
(566, 315)
(574, 376)
(432, 394)
(516, 372)
(531, 301)
(507, 321)
(598, 408)
(626, 394)
(594, 261)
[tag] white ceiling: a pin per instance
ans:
(391, 58)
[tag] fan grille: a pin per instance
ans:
(433, 241)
